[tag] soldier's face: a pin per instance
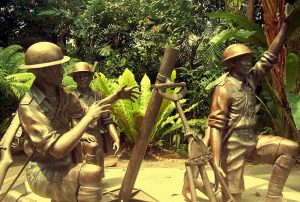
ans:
(53, 75)
(83, 79)
(243, 64)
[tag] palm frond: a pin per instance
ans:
(259, 36)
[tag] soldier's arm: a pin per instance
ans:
(125, 92)
(217, 121)
(270, 56)
(111, 129)
(107, 122)
(277, 44)
(46, 139)
(70, 139)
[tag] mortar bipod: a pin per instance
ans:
(200, 162)
(203, 156)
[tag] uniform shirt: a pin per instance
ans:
(44, 120)
(87, 99)
(232, 97)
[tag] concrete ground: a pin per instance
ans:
(162, 179)
(165, 183)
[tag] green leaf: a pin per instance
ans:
(103, 85)
(173, 75)
(52, 12)
(294, 102)
(145, 94)
(127, 114)
(106, 50)
(292, 67)
(222, 36)
(69, 83)
(127, 79)
(124, 113)
(258, 37)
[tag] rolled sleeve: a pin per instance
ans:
(219, 109)
(47, 142)
(263, 66)
(37, 129)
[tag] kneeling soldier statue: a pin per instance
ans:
(46, 113)
(230, 125)
(233, 109)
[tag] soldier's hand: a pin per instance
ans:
(130, 93)
(97, 109)
(116, 147)
(88, 138)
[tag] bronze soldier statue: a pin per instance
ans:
(46, 112)
(83, 75)
(232, 120)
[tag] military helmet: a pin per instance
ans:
(81, 67)
(235, 50)
(43, 54)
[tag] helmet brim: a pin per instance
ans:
(47, 64)
(224, 62)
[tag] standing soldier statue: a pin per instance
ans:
(230, 125)
(83, 75)
(46, 115)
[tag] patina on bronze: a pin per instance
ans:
(45, 115)
(167, 65)
(235, 94)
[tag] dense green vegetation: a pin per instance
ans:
(127, 38)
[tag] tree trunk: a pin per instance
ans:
(273, 17)
(250, 9)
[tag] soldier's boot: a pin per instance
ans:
(90, 184)
(279, 175)
(89, 194)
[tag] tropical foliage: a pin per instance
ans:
(129, 115)
(13, 83)
(131, 35)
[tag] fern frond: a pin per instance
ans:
(103, 85)
(11, 58)
(20, 77)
